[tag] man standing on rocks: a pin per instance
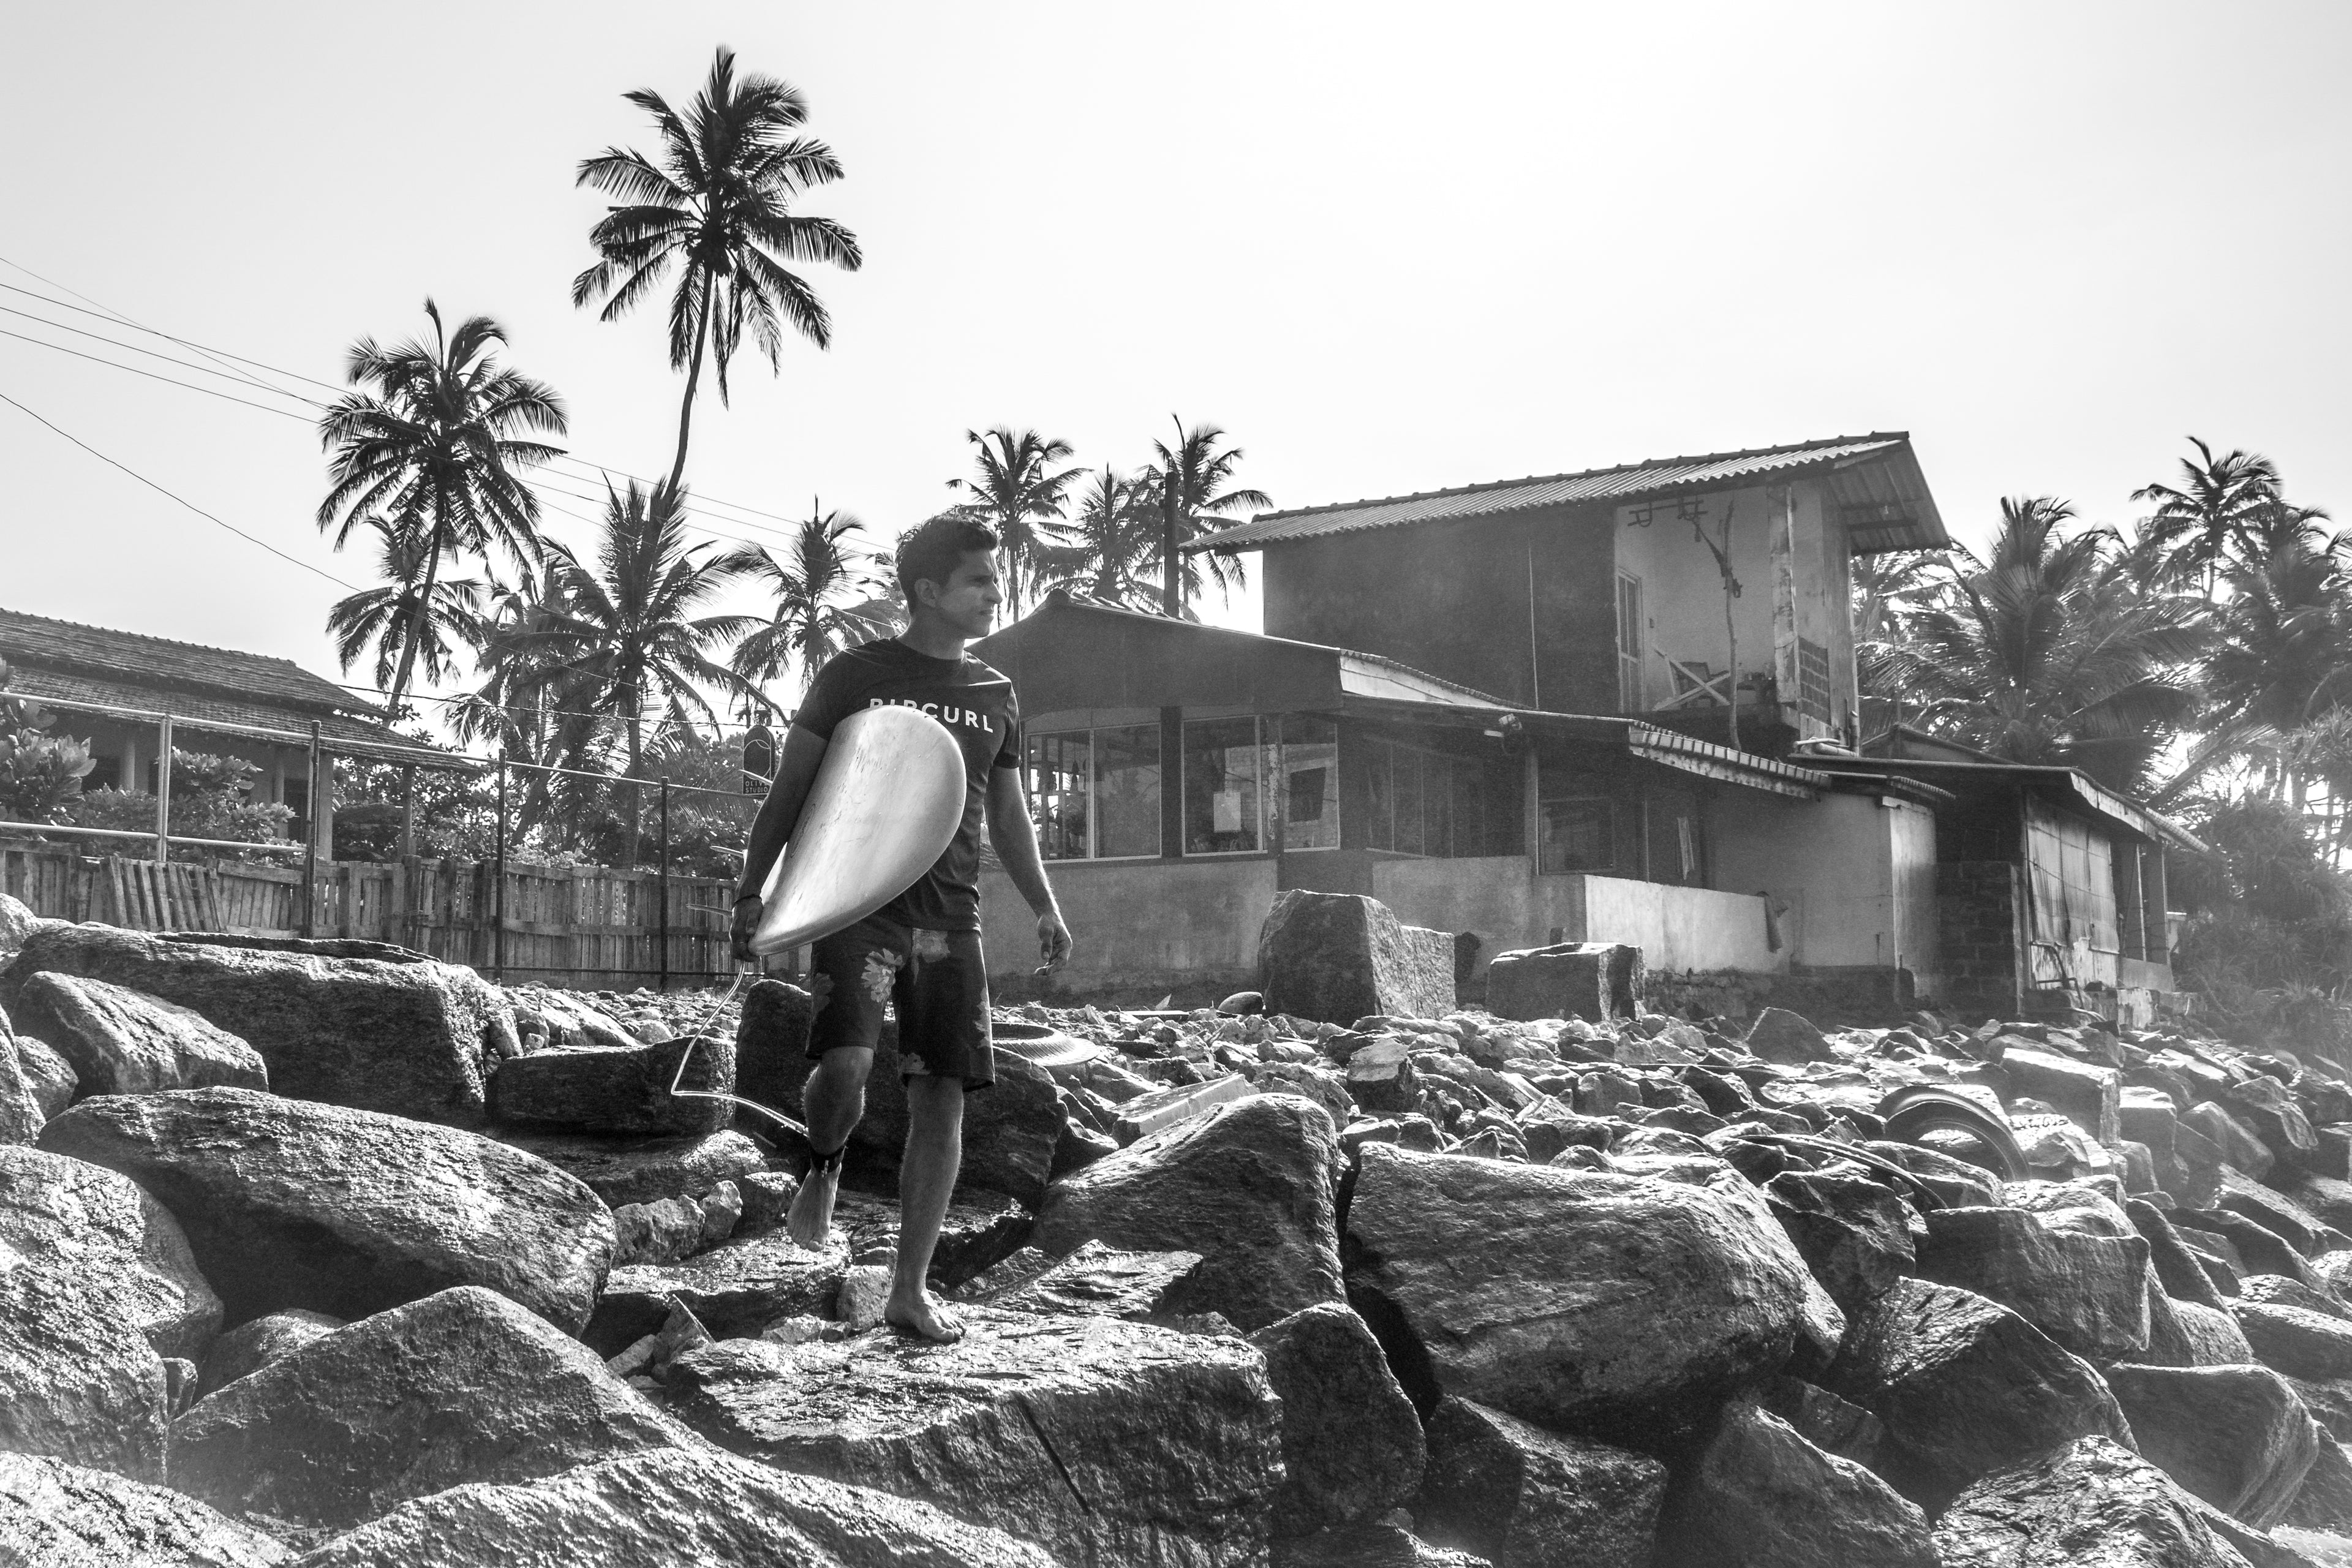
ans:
(920, 953)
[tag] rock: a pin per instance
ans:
(668, 1508)
(1964, 1386)
(1592, 980)
(79, 1381)
(2090, 1097)
(2325, 1198)
(121, 1041)
(2324, 1501)
(1856, 1235)
(114, 1240)
(1164, 1108)
(2238, 1142)
(771, 1047)
(291, 1204)
(49, 1076)
(1522, 1497)
(2256, 1248)
(1787, 1038)
(251, 1346)
(463, 1386)
(722, 1210)
(663, 1231)
(767, 1200)
(1368, 1546)
(2278, 1214)
(2297, 1343)
(625, 1090)
(391, 1033)
(2276, 1291)
(1539, 1290)
(2235, 1435)
(2267, 1105)
(1338, 957)
(1101, 1281)
(1821, 1418)
(644, 1170)
(2089, 1293)
(2184, 1279)
(17, 922)
(979, 1231)
(1757, 1495)
(2330, 1403)
(2195, 1178)
(1252, 1186)
(2214, 1337)
(21, 1108)
(1107, 1442)
(1351, 1443)
(57, 1515)
(738, 1289)
(2087, 1495)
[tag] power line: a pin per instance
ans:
(168, 381)
(191, 506)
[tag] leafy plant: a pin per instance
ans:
(39, 772)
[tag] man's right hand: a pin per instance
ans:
(747, 920)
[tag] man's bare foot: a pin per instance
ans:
(918, 1315)
(810, 1220)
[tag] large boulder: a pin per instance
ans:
(462, 1386)
(1569, 1296)
(114, 1240)
(2297, 1341)
(2086, 1502)
(2090, 1097)
(1522, 1497)
(254, 1344)
(2235, 1435)
(1854, 1234)
(78, 1379)
(1789, 1038)
(1964, 1386)
(392, 1031)
(293, 1204)
(1108, 1442)
(2214, 1335)
(2270, 1108)
(738, 1288)
(645, 1169)
(22, 1110)
(121, 1041)
(54, 1513)
(2088, 1292)
(1010, 1130)
(2324, 1501)
(1351, 1443)
(1102, 1281)
(619, 1090)
(669, 1508)
(1253, 1187)
(1592, 980)
(50, 1077)
(1339, 957)
(1757, 1495)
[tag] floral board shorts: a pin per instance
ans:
(935, 982)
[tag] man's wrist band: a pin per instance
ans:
(746, 897)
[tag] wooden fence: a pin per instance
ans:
(586, 927)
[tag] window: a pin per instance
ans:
(1579, 834)
(1222, 776)
(1096, 792)
(1447, 807)
(1308, 803)
(1629, 643)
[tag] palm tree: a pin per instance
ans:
(717, 206)
(1889, 592)
(432, 451)
(821, 590)
(2044, 652)
(1019, 493)
(1191, 489)
(1110, 544)
(521, 702)
(398, 618)
(2218, 504)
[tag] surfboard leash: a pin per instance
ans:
(696, 1038)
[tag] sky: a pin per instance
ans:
(1388, 247)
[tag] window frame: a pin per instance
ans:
(1093, 777)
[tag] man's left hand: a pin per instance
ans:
(1053, 939)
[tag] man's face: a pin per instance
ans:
(968, 599)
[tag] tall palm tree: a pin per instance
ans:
(1018, 492)
(2042, 653)
(2220, 502)
(821, 588)
(433, 449)
(1889, 592)
(520, 703)
(716, 205)
(1109, 545)
(1193, 485)
(398, 618)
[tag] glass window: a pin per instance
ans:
(1220, 786)
(1127, 790)
(1407, 773)
(1058, 770)
(1470, 809)
(1309, 801)
(1578, 835)
(1379, 795)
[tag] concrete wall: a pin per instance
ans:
(1509, 907)
(1143, 929)
(1678, 927)
(1858, 877)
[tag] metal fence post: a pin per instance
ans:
(163, 792)
(499, 897)
(661, 887)
(310, 845)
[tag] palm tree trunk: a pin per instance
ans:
(693, 375)
(418, 622)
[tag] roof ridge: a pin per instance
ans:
(1584, 474)
(150, 636)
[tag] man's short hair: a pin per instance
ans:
(934, 548)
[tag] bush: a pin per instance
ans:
(38, 772)
(208, 801)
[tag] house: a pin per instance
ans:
(116, 688)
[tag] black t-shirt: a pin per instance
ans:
(977, 705)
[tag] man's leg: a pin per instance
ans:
(927, 1176)
(833, 1101)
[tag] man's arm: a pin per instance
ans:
(1014, 838)
(780, 814)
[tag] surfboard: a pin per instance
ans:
(887, 800)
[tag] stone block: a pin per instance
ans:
(1338, 957)
(1592, 980)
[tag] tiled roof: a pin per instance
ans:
(342, 735)
(1626, 482)
(159, 664)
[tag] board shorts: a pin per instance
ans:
(935, 982)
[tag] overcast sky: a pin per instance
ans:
(1390, 247)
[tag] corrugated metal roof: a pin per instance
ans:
(156, 664)
(1626, 482)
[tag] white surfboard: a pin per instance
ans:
(887, 800)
